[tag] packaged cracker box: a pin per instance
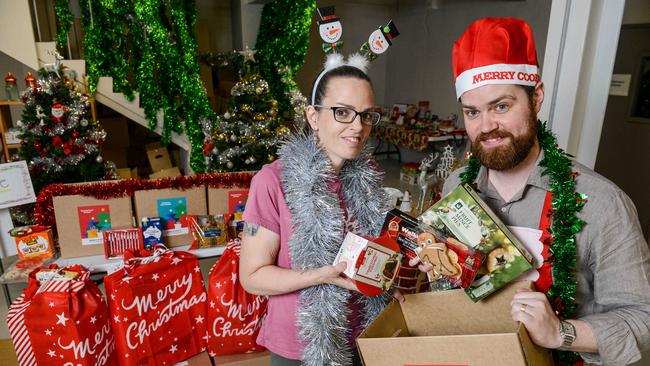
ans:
(465, 216)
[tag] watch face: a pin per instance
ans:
(568, 333)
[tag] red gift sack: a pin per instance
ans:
(158, 307)
(234, 315)
(61, 319)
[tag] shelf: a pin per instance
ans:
(13, 146)
(11, 102)
(99, 264)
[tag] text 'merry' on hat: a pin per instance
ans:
(495, 51)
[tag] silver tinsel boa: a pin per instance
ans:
(318, 231)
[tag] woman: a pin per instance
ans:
(299, 209)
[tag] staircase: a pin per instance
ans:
(16, 14)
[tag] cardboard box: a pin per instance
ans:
(447, 328)
(202, 359)
(166, 173)
(227, 200)
(81, 219)
(158, 157)
(117, 132)
(159, 202)
(247, 359)
(126, 173)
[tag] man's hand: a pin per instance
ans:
(333, 275)
(533, 310)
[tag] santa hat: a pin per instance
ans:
(495, 51)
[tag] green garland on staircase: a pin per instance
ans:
(282, 43)
(565, 225)
(148, 47)
(64, 19)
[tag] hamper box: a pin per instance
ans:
(170, 204)
(227, 200)
(448, 328)
(80, 221)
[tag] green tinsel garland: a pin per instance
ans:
(64, 21)
(282, 41)
(565, 225)
(148, 46)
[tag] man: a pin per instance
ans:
(521, 173)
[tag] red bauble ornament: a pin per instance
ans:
(75, 134)
(56, 141)
(67, 151)
(37, 145)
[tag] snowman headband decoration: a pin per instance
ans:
(330, 30)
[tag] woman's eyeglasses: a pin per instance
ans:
(347, 115)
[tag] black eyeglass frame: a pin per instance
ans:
(335, 108)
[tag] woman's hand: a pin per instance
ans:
(333, 275)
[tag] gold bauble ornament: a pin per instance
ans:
(245, 108)
(259, 117)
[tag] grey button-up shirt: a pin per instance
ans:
(613, 260)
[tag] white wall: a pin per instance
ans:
(419, 64)
(358, 20)
(16, 34)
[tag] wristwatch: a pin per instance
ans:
(568, 334)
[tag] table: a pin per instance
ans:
(99, 264)
(412, 138)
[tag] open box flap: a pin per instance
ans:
(452, 312)
(534, 355)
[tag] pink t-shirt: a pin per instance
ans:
(267, 207)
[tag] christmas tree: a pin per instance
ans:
(60, 141)
(247, 135)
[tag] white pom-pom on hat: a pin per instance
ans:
(333, 60)
(358, 61)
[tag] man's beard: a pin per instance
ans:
(508, 156)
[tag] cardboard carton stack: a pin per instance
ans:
(160, 163)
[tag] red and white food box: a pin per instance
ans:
(372, 265)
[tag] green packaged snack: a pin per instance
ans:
(463, 215)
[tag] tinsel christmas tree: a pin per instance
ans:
(60, 141)
(247, 135)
